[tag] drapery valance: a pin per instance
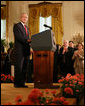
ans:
(45, 10)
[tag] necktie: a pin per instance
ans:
(26, 30)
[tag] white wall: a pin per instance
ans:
(73, 16)
(15, 9)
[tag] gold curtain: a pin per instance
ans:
(46, 10)
(34, 21)
(57, 24)
(3, 12)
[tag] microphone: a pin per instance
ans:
(47, 26)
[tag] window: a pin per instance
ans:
(43, 21)
(3, 29)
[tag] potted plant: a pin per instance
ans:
(7, 78)
(73, 86)
(3, 44)
(11, 44)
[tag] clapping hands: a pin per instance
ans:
(29, 40)
(76, 54)
(64, 50)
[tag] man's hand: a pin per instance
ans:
(29, 40)
(65, 50)
(76, 53)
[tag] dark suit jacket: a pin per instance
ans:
(67, 56)
(21, 44)
(66, 62)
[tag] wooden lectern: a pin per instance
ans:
(43, 68)
(43, 59)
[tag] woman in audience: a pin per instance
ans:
(79, 59)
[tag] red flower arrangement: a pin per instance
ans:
(68, 90)
(6, 78)
(73, 86)
(37, 97)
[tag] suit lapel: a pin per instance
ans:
(23, 29)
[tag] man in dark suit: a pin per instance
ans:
(22, 51)
(63, 58)
(70, 53)
(66, 62)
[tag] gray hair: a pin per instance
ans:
(66, 41)
(23, 13)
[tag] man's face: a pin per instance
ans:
(65, 43)
(71, 44)
(79, 46)
(24, 18)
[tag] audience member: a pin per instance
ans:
(79, 59)
(65, 58)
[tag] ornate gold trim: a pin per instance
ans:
(44, 3)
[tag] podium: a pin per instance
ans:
(43, 68)
(43, 59)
